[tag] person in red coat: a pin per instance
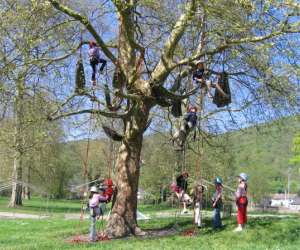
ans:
(241, 202)
(109, 190)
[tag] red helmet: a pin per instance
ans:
(92, 43)
(193, 109)
(185, 173)
(108, 182)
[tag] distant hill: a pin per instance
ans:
(262, 151)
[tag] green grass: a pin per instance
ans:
(262, 233)
(51, 234)
(42, 206)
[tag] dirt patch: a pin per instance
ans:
(10, 215)
(81, 239)
(157, 233)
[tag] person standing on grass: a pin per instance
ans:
(96, 197)
(241, 202)
(198, 199)
(217, 204)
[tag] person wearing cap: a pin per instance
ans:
(198, 199)
(241, 202)
(217, 203)
(190, 122)
(96, 197)
(95, 59)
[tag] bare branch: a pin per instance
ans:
(92, 111)
(88, 26)
(162, 69)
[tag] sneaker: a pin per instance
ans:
(238, 229)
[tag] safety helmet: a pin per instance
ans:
(92, 43)
(243, 176)
(199, 62)
(108, 182)
(185, 173)
(218, 180)
(94, 189)
(193, 108)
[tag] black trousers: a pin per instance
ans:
(94, 62)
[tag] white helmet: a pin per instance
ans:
(200, 61)
(94, 189)
(243, 176)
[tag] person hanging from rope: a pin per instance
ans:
(198, 192)
(189, 123)
(95, 59)
(200, 76)
(180, 189)
(96, 199)
(217, 204)
(241, 202)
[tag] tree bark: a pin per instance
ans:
(122, 221)
(16, 194)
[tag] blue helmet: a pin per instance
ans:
(218, 180)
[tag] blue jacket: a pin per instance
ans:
(191, 117)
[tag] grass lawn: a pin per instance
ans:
(262, 233)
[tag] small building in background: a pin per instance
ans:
(282, 200)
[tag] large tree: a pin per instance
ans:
(154, 49)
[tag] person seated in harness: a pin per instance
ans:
(180, 189)
(95, 59)
(190, 122)
(96, 199)
(200, 76)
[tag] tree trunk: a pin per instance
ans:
(122, 221)
(16, 194)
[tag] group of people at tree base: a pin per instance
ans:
(180, 188)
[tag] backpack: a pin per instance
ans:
(220, 99)
(79, 77)
(176, 110)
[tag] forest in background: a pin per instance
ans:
(262, 151)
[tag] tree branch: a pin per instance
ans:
(162, 70)
(92, 111)
(83, 20)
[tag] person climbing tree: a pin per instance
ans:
(96, 197)
(198, 199)
(200, 76)
(217, 204)
(95, 59)
(180, 189)
(241, 202)
(189, 123)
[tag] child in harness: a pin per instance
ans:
(97, 200)
(241, 202)
(200, 77)
(95, 59)
(189, 123)
(180, 189)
